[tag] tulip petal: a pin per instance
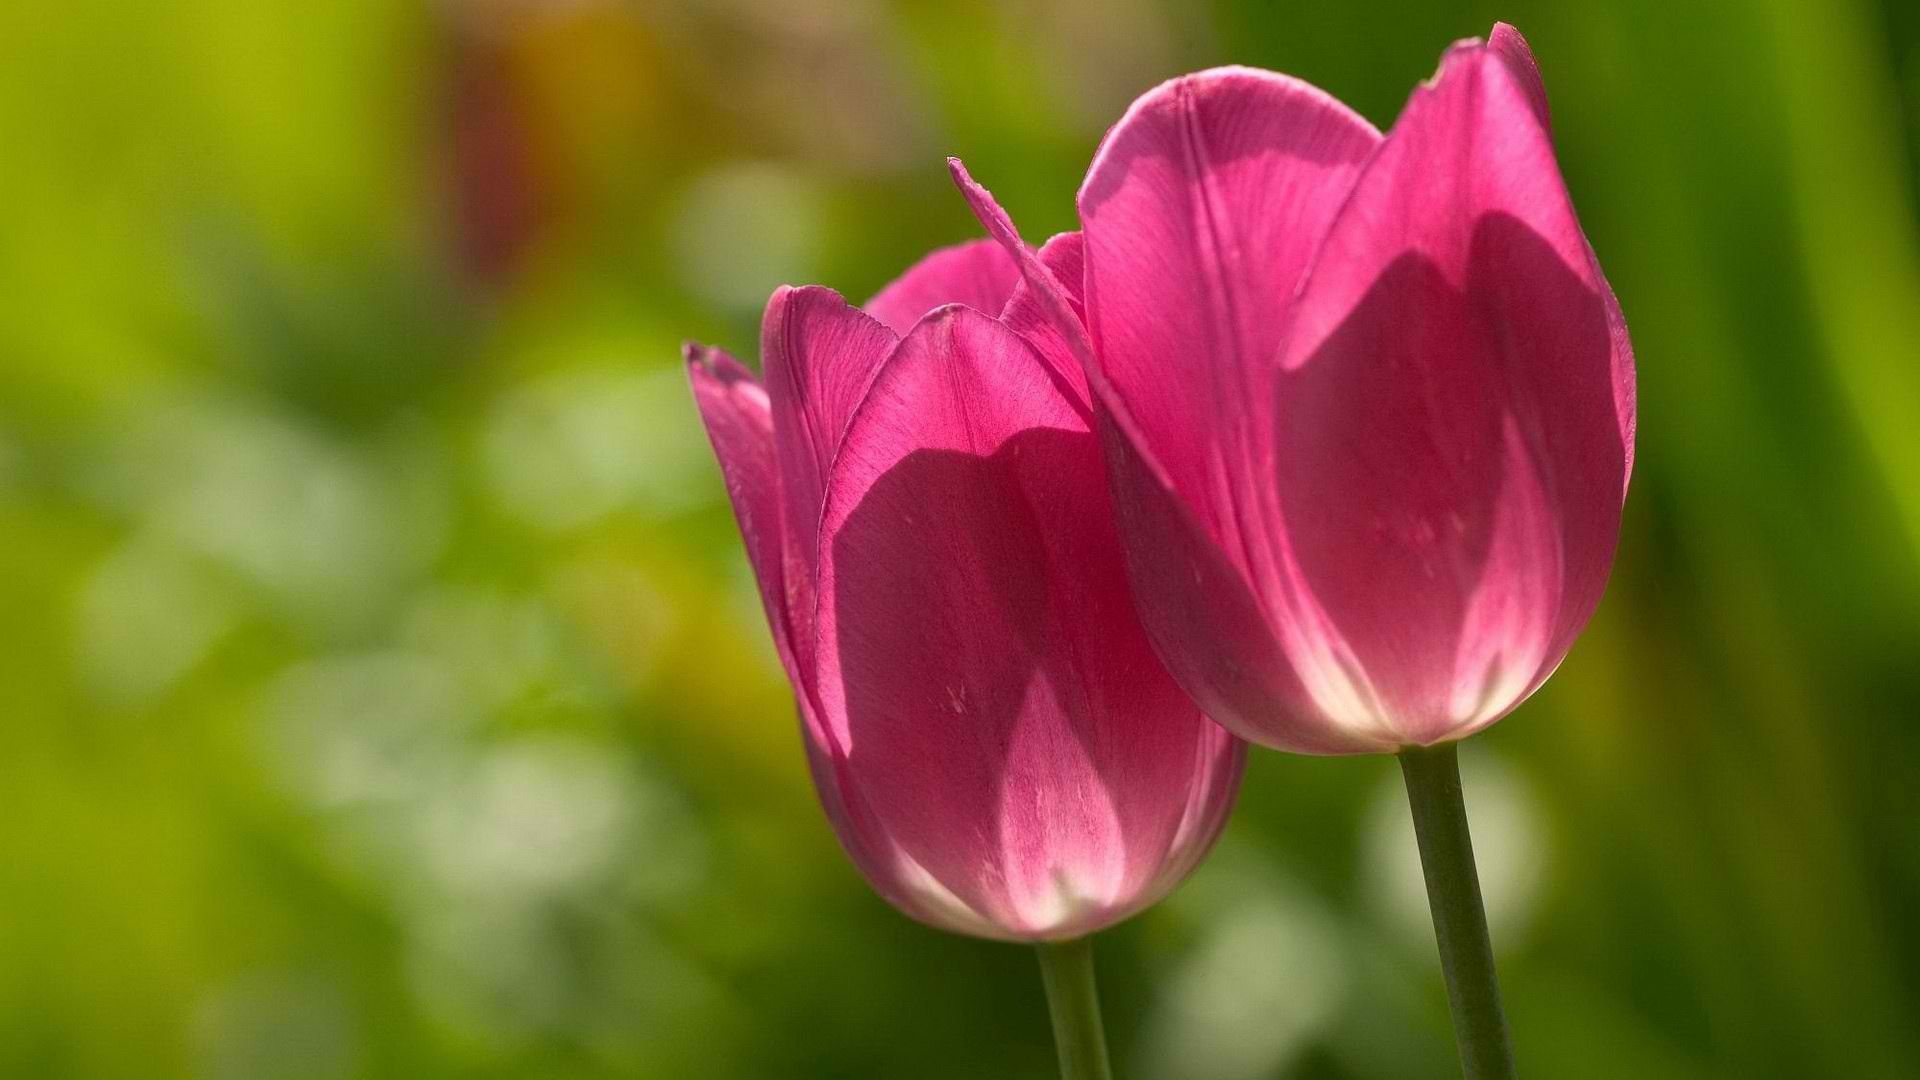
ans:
(1507, 43)
(1048, 326)
(739, 422)
(1201, 210)
(1044, 309)
(1205, 623)
(819, 354)
(1064, 256)
(740, 425)
(1000, 708)
(1220, 758)
(1455, 414)
(977, 273)
(1207, 199)
(1208, 626)
(1202, 615)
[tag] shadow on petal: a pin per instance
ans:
(1006, 720)
(1394, 441)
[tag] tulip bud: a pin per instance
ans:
(990, 731)
(1367, 402)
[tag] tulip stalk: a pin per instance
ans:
(1066, 967)
(1459, 916)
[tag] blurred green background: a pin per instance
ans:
(383, 693)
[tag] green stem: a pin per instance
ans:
(1067, 969)
(1459, 918)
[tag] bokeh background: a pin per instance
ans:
(383, 693)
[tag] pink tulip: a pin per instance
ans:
(923, 502)
(1367, 402)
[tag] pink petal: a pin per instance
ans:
(1454, 421)
(1199, 608)
(1001, 712)
(1202, 616)
(739, 421)
(1048, 326)
(819, 354)
(1219, 759)
(1044, 309)
(977, 273)
(1506, 43)
(1044, 295)
(1064, 257)
(1200, 212)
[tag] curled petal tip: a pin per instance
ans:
(710, 362)
(987, 209)
(1511, 47)
(1051, 299)
(776, 301)
(1507, 40)
(697, 355)
(962, 179)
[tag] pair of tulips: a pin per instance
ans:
(1310, 437)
